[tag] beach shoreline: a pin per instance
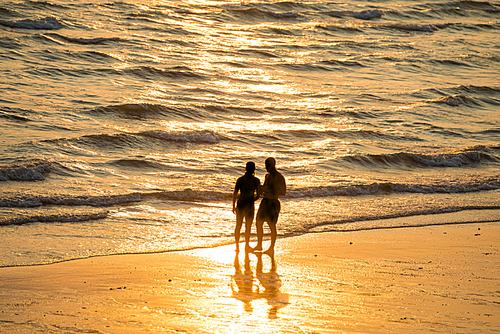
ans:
(441, 278)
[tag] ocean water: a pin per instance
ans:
(124, 124)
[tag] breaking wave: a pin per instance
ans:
(27, 171)
(190, 195)
(384, 188)
(456, 158)
(59, 218)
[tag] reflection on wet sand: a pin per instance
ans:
(264, 285)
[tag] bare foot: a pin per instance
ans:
(269, 252)
(257, 249)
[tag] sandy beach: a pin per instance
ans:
(428, 279)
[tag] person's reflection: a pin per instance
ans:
(271, 282)
(246, 291)
(244, 283)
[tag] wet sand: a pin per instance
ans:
(427, 279)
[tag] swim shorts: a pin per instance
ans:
(269, 210)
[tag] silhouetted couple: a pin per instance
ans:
(249, 189)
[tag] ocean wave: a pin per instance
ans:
(374, 135)
(468, 95)
(462, 5)
(457, 100)
(32, 201)
(141, 72)
(364, 15)
(341, 63)
(415, 27)
(485, 90)
(445, 10)
(325, 65)
(6, 11)
(456, 158)
(449, 100)
(48, 23)
(44, 5)
(340, 28)
(146, 111)
(257, 13)
(136, 163)
(96, 40)
(12, 114)
(384, 188)
(26, 171)
(142, 139)
(149, 72)
(56, 218)
(196, 196)
(204, 136)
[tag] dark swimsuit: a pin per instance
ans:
(245, 207)
(269, 210)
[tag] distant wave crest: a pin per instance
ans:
(204, 136)
(456, 158)
(48, 23)
(143, 139)
(254, 12)
(96, 40)
(417, 27)
(364, 15)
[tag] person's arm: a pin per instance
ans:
(257, 190)
(235, 195)
(282, 186)
(263, 188)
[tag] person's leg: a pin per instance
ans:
(248, 230)
(274, 210)
(259, 224)
(237, 229)
(260, 233)
(274, 234)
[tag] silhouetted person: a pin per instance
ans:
(269, 209)
(248, 188)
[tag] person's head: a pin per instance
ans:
(270, 164)
(250, 167)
